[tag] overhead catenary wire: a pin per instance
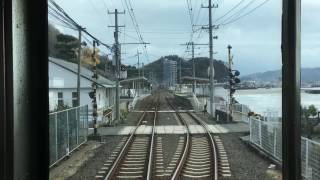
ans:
(244, 15)
(135, 24)
(228, 12)
(237, 13)
(58, 12)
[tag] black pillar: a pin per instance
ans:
(24, 88)
(291, 56)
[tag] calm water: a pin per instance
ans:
(262, 100)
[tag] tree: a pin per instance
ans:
(87, 56)
(308, 120)
(52, 40)
(66, 47)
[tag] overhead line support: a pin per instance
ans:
(211, 105)
(118, 62)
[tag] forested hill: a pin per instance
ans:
(201, 64)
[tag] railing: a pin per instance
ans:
(196, 101)
(134, 101)
(240, 112)
(268, 137)
(310, 159)
(68, 129)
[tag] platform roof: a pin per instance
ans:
(189, 79)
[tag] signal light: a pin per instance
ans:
(91, 94)
(237, 80)
(236, 73)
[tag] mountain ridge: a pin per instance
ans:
(307, 75)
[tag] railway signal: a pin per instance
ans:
(233, 81)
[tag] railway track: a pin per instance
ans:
(199, 157)
(141, 156)
(135, 160)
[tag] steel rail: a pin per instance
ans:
(122, 153)
(184, 156)
(151, 152)
(213, 145)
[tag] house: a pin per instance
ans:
(63, 86)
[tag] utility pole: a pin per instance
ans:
(180, 72)
(138, 53)
(193, 69)
(93, 93)
(118, 63)
(230, 86)
(79, 68)
(193, 62)
(212, 108)
(143, 76)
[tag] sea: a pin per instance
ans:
(267, 100)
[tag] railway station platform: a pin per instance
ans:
(177, 129)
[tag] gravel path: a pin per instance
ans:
(245, 163)
(89, 169)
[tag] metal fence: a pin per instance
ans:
(268, 137)
(240, 112)
(68, 129)
(310, 159)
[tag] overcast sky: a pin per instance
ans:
(166, 24)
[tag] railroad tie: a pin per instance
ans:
(224, 166)
(106, 166)
(159, 168)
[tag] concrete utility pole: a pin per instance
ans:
(211, 106)
(138, 53)
(230, 94)
(79, 68)
(180, 72)
(143, 76)
(193, 63)
(193, 69)
(118, 63)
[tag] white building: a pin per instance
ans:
(63, 86)
(169, 73)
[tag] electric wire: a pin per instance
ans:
(244, 15)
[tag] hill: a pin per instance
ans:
(201, 65)
(307, 75)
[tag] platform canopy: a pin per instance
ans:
(190, 80)
(130, 82)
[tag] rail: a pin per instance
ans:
(213, 146)
(151, 152)
(187, 145)
(183, 158)
(125, 148)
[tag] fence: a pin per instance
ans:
(310, 159)
(268, 137)
(68, 129)
(240, 112)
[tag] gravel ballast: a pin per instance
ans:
(90, 168)
(246, 163)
